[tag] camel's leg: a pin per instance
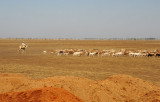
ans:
(22, 51)
(19, 51)
(25, 51)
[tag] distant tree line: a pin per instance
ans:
(86, 38)
(121, 38)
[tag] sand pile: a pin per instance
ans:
(116, 88)
(49, 94)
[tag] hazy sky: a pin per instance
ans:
(79, 18)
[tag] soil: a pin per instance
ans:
(48, 94)
(116, 88)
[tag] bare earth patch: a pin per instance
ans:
(48, 94)
(116, 88)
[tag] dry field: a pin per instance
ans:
(37, 65)
(87, 79)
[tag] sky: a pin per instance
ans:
(79, 18)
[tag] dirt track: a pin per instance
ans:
(116, 88)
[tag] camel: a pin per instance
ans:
(22, 49)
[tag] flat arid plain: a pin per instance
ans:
(72, 73)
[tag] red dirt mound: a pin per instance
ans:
(116, 88)
(48, 94)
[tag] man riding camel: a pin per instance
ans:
(22, 47)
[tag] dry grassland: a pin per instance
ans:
(37, 65)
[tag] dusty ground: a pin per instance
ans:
(116, 88)
(48, 94)
(90, 79)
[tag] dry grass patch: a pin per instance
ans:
(36, 65)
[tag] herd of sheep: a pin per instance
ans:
(109, 52)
